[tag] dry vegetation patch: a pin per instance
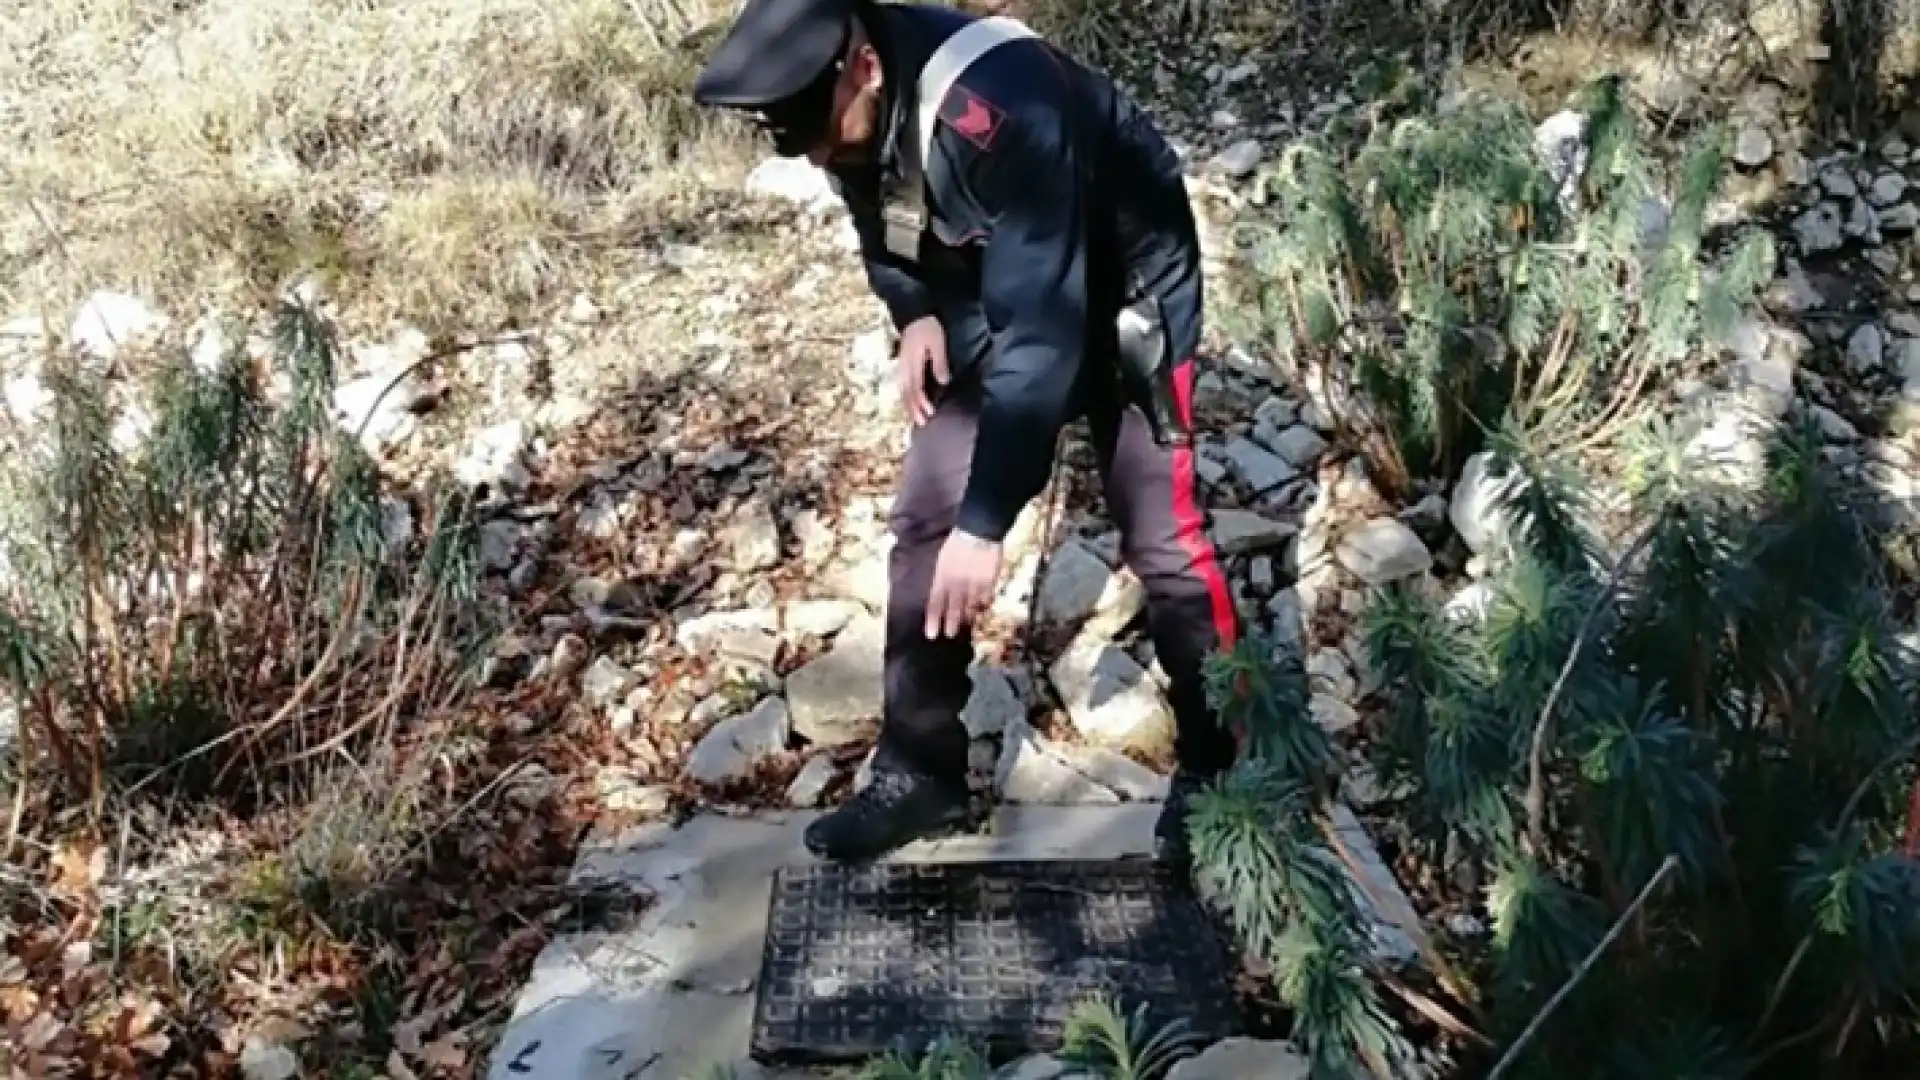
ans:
(445, 161)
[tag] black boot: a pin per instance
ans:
(897, 808)
(1171, 845)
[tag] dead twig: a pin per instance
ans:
(1667, 866)
(1536, 801)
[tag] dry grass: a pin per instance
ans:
(438, 160)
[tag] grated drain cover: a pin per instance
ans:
(862, 959)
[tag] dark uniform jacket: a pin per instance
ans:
(1052, 203)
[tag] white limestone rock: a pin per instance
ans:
(1110, 697)
(836, 699)
(1383, 551)
(734, 746)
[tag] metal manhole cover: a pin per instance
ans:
(858, 959)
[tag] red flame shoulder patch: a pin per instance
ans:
(974, 117)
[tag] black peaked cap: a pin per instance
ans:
(774, 49)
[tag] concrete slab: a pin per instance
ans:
(674, 994)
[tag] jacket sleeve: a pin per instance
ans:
(891, 279)
(1033, 281)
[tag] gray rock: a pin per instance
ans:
(1117, 772)
(1038, 1067)
(493, 457)
(1288, 617)
(713, 629)
(793, 180)
(1795, 292)
(1838, 182)
(1240, 159)
(1470, 604)
(993, 705)
(811, 782)
(622, 792)
(606, 683)
(1904, 324)
(1819, 229)
(1260, 575)
(107, 322)
(1903, 218)
(1030, 772)
(359, 406)
(737, 744)
(864, 580)
(600, 519)
(1479, 508)
(1242, 532)
(1080, 589)
(1382, 551)
(500, 543)
(1332, 714)
(1390, 912)
(1276, 412)
(1753, 147)
(1463, 924)
(1906, 361)
(819, 618)
(1560, 142)
(836, 698)
(1244, 1059)
(1731, 448)
(1888, 188)
(1834, 426)
(1764, 361)
(1328, 672)
(1866, 348)
(1862, 222)
(1110, 697)
(1255, 467)
(755, 540)
(1299, 446)
(817, 541)
(264, 1060)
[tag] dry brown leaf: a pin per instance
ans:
(78, 867)
(152, 1046)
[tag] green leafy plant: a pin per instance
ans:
(1448, 281)
(1102, 1040)
(201, 583)
(1729, 692)
(1260, 846)
(944, 1059)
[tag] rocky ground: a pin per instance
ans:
(686, 477)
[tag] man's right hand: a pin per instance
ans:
(923, 352)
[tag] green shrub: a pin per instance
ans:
(1442, 283)
(1740, 702)
(217, 598)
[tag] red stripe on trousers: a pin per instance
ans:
(1189, 525)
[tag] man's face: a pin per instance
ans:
(855, 113)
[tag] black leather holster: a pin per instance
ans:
(1146, 369)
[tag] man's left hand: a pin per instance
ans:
(963, 581)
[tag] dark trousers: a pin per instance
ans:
(1152, 494)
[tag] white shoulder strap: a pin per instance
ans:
(951, 60)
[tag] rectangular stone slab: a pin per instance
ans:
(996, 953)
